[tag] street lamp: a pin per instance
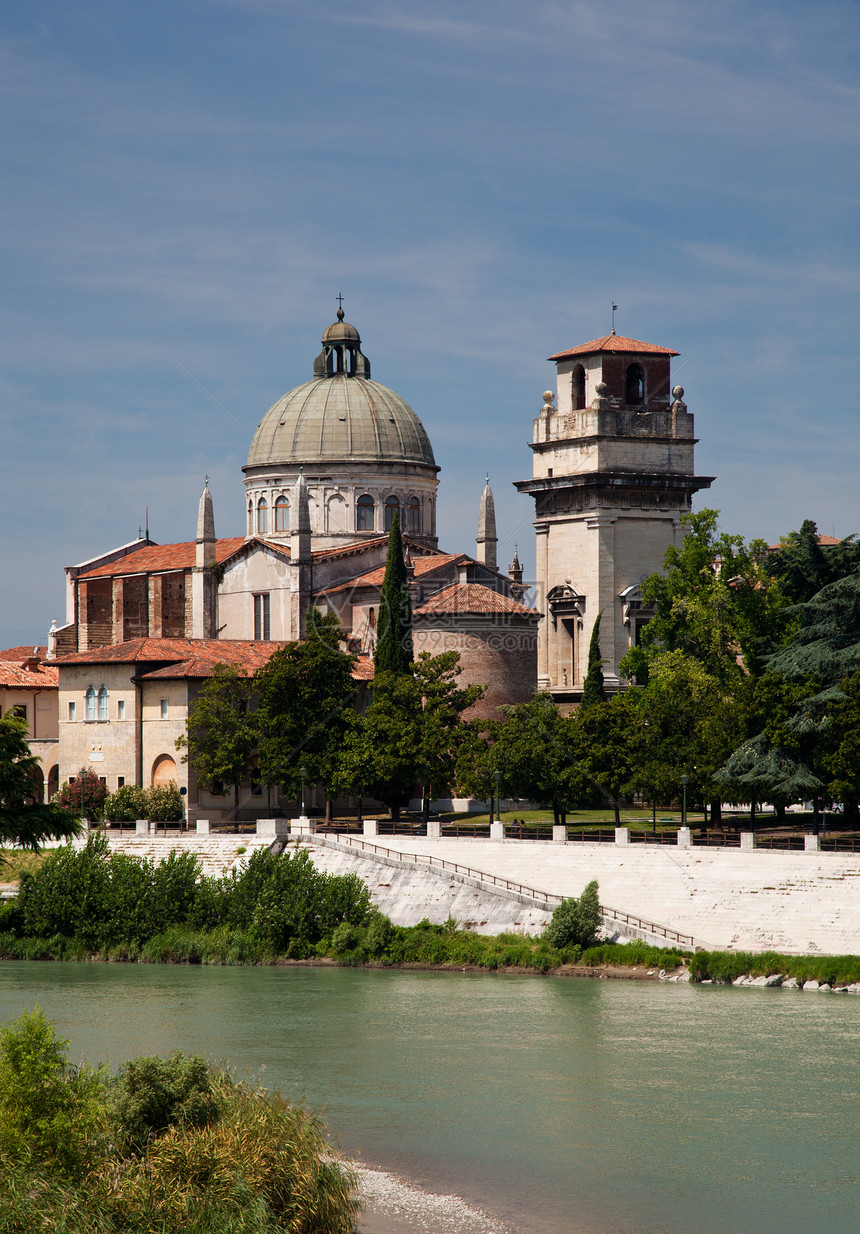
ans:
(303, 772)
(684, 782)
(497, 775)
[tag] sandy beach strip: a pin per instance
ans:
(393, 1206)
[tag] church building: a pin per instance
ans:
(329, 467)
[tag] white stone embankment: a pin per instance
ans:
(794, 902)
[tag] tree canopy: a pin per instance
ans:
(24, 820)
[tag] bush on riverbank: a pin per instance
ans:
(726, 966)
(167, 1144)
(113, 904)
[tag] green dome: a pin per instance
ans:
(340, 418)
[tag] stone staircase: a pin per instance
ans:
(217, 854)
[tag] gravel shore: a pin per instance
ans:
(392, 1206)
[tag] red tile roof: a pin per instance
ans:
(374, 578)
(14, 677)
(195, 658)
(23, 653)
(155, 558)
(615, 342)
(466, 598)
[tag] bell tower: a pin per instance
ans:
(612, 476)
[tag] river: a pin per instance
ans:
(562, 1106)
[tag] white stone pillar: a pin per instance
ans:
(622, 837)
(271, 828)
(370, 828)
(141, 827)
(685, 838)
(747, 841)
(559, 833)
(203, 826)
(434, 829)
(811, 844)
(497, 831)
(303, 825)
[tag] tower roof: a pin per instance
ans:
(615, 342)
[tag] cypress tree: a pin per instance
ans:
(592, 689)
(394, 629)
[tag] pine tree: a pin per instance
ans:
(394, 630)
(592, 689)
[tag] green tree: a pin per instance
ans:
(576, 922)
(715, 602)
(305, 707)
(802, 566)
(412, 734)
(783, 761)
(592, 689)
(24, 820)
(220, 737)
(394, 652)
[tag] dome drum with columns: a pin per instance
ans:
(363, 451)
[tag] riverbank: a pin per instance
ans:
(391, 1205)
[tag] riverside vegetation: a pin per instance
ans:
(80, 904)
(165, 1144)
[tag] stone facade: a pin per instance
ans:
(613, 475)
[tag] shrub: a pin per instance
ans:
(83, 797)
(127, 804)
(575, 921)
(49, 1113)
(164, 803)
(151, 1094)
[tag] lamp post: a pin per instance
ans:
(497, 775)
(303, 772)
(684, 782)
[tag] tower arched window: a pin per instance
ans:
(364, 513)
(103, 703)
(413, 514)
(392, 507)
(90, 704)
(634, 387)
(262, 517)
(282, 514)
(578, 388)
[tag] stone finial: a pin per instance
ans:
(205, 529)
(678, 397)
(547, 409)
(300, 521)
(487, 539)
(601, 401)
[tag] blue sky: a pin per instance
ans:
(196, 181)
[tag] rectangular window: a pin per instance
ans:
(164, 709)
(120, 709)
(18, 710)
(72, 711)
(262, 619)
(120, 781)
(256, 785)
(218, 789)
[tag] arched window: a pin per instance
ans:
(392, 507)
(262, 517)
(103, 703)
(90, 704)
(163, 770)
(250, 518)
(578, 388)
(364, 514)
(413, 514)
(282, 514)
(634, 389)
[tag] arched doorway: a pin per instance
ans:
(163, 770)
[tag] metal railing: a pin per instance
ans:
(543, 898)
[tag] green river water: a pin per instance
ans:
(561, 1105)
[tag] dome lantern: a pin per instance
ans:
(341, 351)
